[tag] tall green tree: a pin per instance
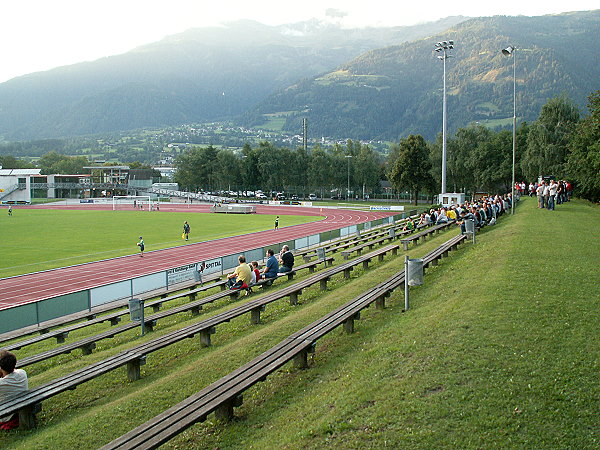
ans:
(10, 162)
(547, 142)
(55, 163)
(250, 172)
(366, 172)
(197, 168)
(583, 165)
(409, 166)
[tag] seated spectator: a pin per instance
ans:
(12, 382)
(240, 278)
(433, 215)
(286, 257)
(451, 214)
(255, 273)
(271, 267)
(409, 226)
(464, 216)
(442, 218)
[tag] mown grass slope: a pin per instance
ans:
(499, 350)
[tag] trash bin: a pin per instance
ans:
(415, 272)
(136, 309)
(470, 226)
(321, 254)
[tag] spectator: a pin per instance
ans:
(464, 216)
(286, 258)
(451, 214)
(240, 278)
(271, 267)
(409, 226)
(546, 194)
(442, 218)
(433, 215)
(255, 273)
(540, 195)
(552, 191)
(12, 382)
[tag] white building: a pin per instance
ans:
(15, 184)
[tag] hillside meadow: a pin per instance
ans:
(499, 350)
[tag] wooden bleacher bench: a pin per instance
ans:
(136, 357)
(422, 234)
(93, 315)
(226, 393)
(359, 248)
(114, 318)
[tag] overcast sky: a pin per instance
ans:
(41, 34)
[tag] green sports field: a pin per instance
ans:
(40, 239)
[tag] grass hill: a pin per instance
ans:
(395, 91)
(499, 349)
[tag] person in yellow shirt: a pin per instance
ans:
(451, 214)
(241, 276)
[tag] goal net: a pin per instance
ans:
(132, 202)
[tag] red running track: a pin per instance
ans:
(38, 286)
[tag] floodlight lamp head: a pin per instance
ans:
(508, 50)
(451, 42)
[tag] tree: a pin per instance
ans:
(197, 167)
(10, 162)
(583, 164)
(55, 163)
(409, 166)
(547, 142)
(366, 171)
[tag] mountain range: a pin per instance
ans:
(203, 74)
(371, 83)
(395, 91)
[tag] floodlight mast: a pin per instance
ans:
(510, 51)
(443, 48)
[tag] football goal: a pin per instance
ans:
(131, 202)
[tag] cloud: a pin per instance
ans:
(335, 13)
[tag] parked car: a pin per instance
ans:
(312, 197)
(261, 196)
(294, 197)
(280, 196)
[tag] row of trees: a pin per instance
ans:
(478, 159)
(558, 144)
(269, 168)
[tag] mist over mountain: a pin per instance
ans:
(203, 74)
(395, 91)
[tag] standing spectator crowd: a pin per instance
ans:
(551, 193)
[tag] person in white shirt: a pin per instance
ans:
(552, 190)
(12, 382)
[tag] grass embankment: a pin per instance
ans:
(499, 349)
(40, 239)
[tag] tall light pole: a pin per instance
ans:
(443, 47)
(348, 191)
(510, 51)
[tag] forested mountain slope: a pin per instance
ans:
(396, 91)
